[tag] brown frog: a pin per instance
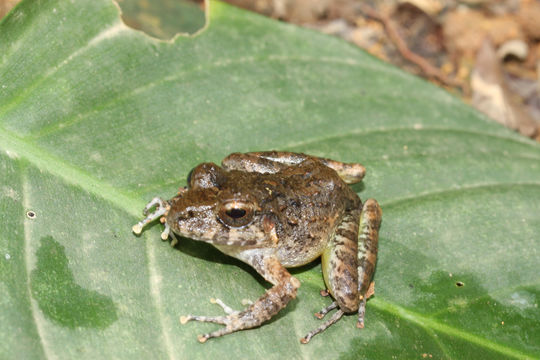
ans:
(274, 210)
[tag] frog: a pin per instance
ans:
(275, 210)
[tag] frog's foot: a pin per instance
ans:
(162, 207)
(334, 319)
(223, 320)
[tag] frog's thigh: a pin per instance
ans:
(339, 263)
(264, 161)
(351, 173)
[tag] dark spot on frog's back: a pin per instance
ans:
(60, 298)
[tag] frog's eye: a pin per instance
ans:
(206, 175)
(236, 213)
(189, 177)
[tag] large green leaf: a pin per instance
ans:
(95, 119)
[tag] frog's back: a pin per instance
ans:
(306, 202)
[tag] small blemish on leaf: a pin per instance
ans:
(60, 298)
(31, 214)
(460, 284)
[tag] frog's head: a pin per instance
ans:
(216, 209)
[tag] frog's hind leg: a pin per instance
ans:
(340, 272)
(274, 161)
(368, 242)
(263, 161)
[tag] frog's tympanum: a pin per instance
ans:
(274, 210)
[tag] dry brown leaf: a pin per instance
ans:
(529, 17)
(465, 30)
(491, 95)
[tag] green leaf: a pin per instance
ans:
(96, 119)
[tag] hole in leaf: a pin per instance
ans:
(31, 214)
(163, 19)
(460, 284)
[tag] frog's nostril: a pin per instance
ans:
(186, 215)
(182, 216)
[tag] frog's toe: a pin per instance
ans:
(326, 310)
(213, 319)
(334, 319)
(161, 209)
(230, 321)
(174, 240)
(361, 313)
(215, 334)
(228, 310)
(155, 202)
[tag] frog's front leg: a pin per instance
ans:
(269, 304)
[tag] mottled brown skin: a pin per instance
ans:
(274, 210)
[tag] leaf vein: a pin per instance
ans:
(38, 321)
(51, 129)
(107, 33)
(437, 326)
(361, 132)
(433, 194)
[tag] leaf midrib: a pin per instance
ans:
(17, 147)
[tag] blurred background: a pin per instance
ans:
(486, 52)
